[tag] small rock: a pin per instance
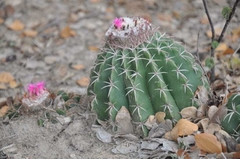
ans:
(50, 59)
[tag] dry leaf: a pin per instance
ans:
(211, 111)
(84, 82)
(13, 84)
(236, 155)
(204, 20)
(160, 116)
(212, 128)
(4, 110)
(17, 25)
(3, 86)
(30, 33)
(6, 77)
(165, 17)
(1, 20)
(67, 32)
(203, 124)
(223, 49)
(217, 32)
(182, 128)
(183, 154)
(235, 34)
(189, 112)
(151, 121)
(208, 143)
(124, 121)
(93, 48)
(78, 66)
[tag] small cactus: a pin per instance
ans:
(231, 122)
(143, 70)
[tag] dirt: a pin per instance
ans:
(49, 57)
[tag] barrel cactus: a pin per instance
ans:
(143, 70)
(231, 122)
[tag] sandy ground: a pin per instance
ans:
(50, 57)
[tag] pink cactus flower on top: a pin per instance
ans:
(117, 23)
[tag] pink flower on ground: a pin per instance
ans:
(117, 23)
(35, 89)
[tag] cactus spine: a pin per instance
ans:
(143, 70)
(231, 122)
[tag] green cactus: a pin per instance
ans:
(231, 122)
(143, 70)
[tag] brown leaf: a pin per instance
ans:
(4, 110)
(13, 84)
(208, 143)
(182, 153)
(236, 155)
(204, 20)
(182, 128)
(17, 25)
(93, 48)
(164, 17)
(160, 116)
(151, 121)
(217, 32)
(189, 112)
(3, 86)
(235, 34)
(203, 124)
(77, 66)
(1, 20)
(30, 33)
(6, 77)
(67, 32)
(83, 82)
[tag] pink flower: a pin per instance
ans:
(35, 89)
(117, 23)
(31, 89)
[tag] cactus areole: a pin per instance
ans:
(143, 70)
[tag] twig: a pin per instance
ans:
(228, 20)
(212, 74)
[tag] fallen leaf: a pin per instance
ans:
(124, 121)
(236, 155)
(6, 77)
(30, 33)
(211, 111)
(203, 124)
(165, 17)
(204, 20)
(4, 110)
(160, 116)
(189, 112)
(3, 86)
(208, 143)
(93, 48)
(13, 84)
(217, 32)
(183, 154)
(151, 121)
(102, 134)
(223, 50)
(77, 66)
(67, 32)
(84, 82)
(1, 20)
(235, 34)
(212, 128)
(17, 25)
(182, 128)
